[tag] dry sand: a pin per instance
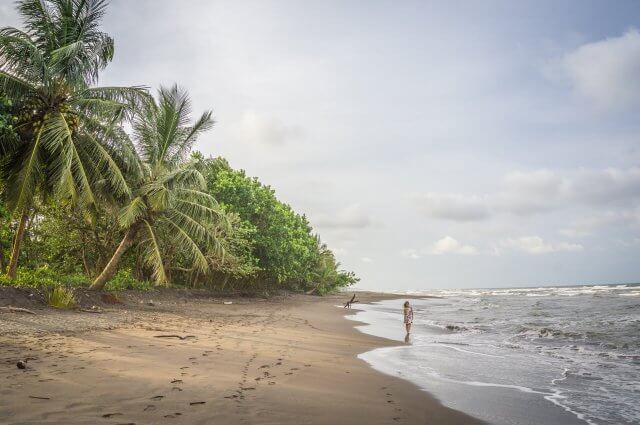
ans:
(288, 360)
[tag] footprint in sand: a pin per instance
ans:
(177, 381)
(157, 397)
(174, 415)
(149, 407)
(111, 415)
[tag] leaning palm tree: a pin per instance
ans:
(68, 129)
(168, 206)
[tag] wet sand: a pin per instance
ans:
(288, 360)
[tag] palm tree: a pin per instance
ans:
(325, 270)
(168, 207)
(68, 130)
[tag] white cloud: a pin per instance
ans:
(587, 226)
(256, 128)
(526, 193)
(608, 185)
(542, 190)
(536, 245)
(352, 216)
(451, 206)
(411, 253)
(366, 260)
(607, 71)
(449, 245)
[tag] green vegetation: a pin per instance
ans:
(286, 251)
(60, 297)
(43, 277)
(168, 213)
(67, 129)
(86, 202)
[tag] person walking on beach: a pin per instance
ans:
(408, 316)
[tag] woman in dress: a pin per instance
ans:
(408, 316)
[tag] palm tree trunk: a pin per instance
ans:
(112, 266)
(17, 243)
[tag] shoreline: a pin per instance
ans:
(481, 395)
(288, 360)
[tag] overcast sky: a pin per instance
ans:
(431, 144)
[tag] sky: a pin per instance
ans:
(430, 144)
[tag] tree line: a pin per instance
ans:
(101, 186)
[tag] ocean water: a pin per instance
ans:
(563, 355)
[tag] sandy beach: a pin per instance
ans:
(174, 357)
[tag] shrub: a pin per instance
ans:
(43, 277)
(125, 280)
(75, 280)
(60, 297)
(35, 278)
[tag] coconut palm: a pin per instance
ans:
(324, 272)
(68, 129)
(168, 207)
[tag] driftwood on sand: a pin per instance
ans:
(351, 301)
(175, 336)
(16, 310)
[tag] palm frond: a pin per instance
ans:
(180, 150)
(132, 212)
(38, 18)
(107, 166)
(187, 244)
(129, 100)
(159, 198)
(183, 176)
(192, 226)
(19, 55)
(198, 211)
(15, 87)
(22, 183)
(152, 254)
